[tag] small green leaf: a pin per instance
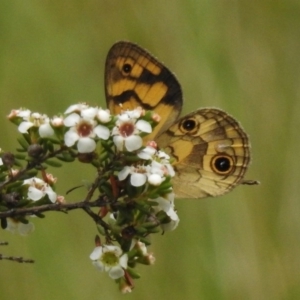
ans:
(40, 215)
(105, 187)
(145, 241)
(66, 157)
(133, 273)
(3, 223)
(24, 202)
(53, 163)
(107, 145)
(154, 230)
(100, 229)
(3, 208)
(141, 230)
(23, 143)
(14, 185)
(49, 146)
(150, 225)
(20, 156)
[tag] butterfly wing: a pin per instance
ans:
(135, 78)
(211, 153)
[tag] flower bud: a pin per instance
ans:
(35, 150)
(8, 159)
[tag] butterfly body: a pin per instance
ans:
(210, 150)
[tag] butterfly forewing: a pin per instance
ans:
(135, 78)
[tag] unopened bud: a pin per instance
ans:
(35, 150)
(8, 159)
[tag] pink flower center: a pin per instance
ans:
(126, 129)
(84, 129)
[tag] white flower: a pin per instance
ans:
(76, 108)
(23, 113)
(138, 175)
(166, 166)
(160, 161)
(127, 130)
(161, 169)
(167, 205)
(17, 226)
(147, 153)
(154, 173)
(110, 259)
(135, 113)
(38, 189)
(142, 254)
(35, 120)
(89, 113)
(83, 130)
(14, 113)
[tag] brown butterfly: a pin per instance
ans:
(211, 151)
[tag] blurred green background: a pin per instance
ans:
(240, 56)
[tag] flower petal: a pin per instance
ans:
(116, 272)
(124, 173)
(170, 169)
(147, 153)
(144, 126)
(173, 224)
(123, 261)
(51, 194)
(99, 265)
(71, 137)
(86, 145)
(46, 130)
(12, 225)
(118, 141)
(155, 179)
(25, 229)
(34, 181)
(133, 142)
(34, 193)
(102, 132)
(138, 179)
(24, 113)
(89, 113)
(71, 120)
(24, 126)
(111, 248)
(76, 107)
(97, 252)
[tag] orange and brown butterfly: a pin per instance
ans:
(211, 151)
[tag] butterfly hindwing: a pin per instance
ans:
(211, 153)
